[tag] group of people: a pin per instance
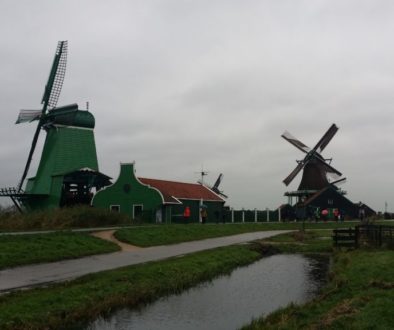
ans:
(324, 214)
(187, 214)
(219, 215)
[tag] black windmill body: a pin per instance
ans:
(215, 187)
(316, 168)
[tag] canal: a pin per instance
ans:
(231, 301)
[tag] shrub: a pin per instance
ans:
(64, 218)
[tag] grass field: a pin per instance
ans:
(310, 241)
(16, 250)
(171, 234)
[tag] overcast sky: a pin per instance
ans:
(177, 85)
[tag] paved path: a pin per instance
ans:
(41, 274)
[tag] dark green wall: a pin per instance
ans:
(128, 191)
(66, 149)
(212, 207)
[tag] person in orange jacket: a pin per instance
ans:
(186, 214)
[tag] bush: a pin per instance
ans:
(64, 218)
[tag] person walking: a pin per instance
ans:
(204, 215)
(324, 214)
(317, 214)
(336, 215)
(186, 214)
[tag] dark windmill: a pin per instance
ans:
(318, 188)
(215, 187)
(316, 168)
(68, 168)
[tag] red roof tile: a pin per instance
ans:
(172, 191)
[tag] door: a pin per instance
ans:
(137, 211)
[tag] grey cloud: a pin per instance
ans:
(177, 84)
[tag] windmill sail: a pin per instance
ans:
(56, 76)
(50, 98)
(295, 142)
(326, 138)
(28, 116)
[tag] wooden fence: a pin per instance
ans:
(364, 235)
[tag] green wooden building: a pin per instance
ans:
(68, 171)
(158, 200)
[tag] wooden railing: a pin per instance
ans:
(364, 235)
(345, 237)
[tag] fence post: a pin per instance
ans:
(279, 214)
(243, 215)
(232, 215)
(335, 234)
(356, 236)
(267, 210)
(380, 236)
(255, 215)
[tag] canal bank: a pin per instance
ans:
(359, 293)
(85, 299)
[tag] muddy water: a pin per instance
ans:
(228, 302)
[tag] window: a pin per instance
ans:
(115, 208)
(330, 202)
(137, 210)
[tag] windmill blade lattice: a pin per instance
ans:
(56, 76)
(295, 142)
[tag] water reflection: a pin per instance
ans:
(228, 302)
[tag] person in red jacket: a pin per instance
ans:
(186, 214)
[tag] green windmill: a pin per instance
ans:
(68, 170)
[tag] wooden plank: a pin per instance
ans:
(347, 244)
(344, 231)
(345, 238)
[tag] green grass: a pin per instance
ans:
(171, 234)
(310, 241)
(62, 305)
(16, 250)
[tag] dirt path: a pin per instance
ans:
(108, 235)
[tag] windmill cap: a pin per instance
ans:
(70, 116)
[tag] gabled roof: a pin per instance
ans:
(173, 191)
(320, 192)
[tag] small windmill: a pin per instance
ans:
(68, 168)
(215, 187)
